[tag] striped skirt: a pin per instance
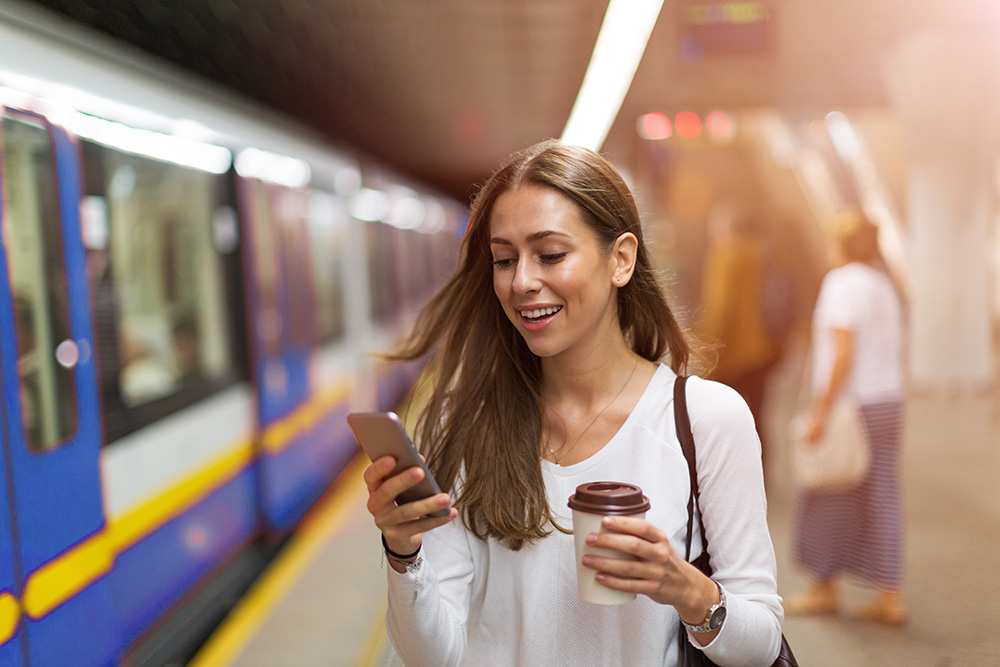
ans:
(859, 532)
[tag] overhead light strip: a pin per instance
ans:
(617, 52)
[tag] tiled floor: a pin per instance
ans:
(332, 614)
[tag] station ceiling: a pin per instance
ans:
(442, 90)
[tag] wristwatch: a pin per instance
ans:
(716, 614)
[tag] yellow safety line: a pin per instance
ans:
(375, 641)
(242, 624)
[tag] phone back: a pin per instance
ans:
(382, 434)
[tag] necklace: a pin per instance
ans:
(556, 452)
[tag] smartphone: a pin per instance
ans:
(381, 434)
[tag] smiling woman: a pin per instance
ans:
(563, 376)
(554, 278)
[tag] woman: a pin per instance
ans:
(857, 338)
(546, 373)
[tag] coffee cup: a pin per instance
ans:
(592, 502)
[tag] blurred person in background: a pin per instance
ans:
(857, 338)
(734, 318)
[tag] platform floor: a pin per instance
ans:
(323, 601)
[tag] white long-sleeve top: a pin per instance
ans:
(475, 602)
(862, 300)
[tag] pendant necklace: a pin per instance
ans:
(555, 453)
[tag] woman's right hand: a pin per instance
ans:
(815, 425)
(402, 525)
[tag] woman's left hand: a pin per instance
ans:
(658, 572)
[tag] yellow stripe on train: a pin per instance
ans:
(10, 614)
(66, 575)
(159, 511)
(282, 433)
(77, 568)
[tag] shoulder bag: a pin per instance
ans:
(689, 655)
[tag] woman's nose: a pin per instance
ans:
(525, 277)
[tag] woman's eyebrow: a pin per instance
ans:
(537, 236)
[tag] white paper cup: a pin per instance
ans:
(588, 587)
(591, 503)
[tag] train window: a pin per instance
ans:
(379, 271)
(46, 352)
(328, 228)
(163, 322)
(283, 260)
(293, 223)
(270, 322)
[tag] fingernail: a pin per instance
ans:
(443, 500)
(587, 560)
(608, 521)
(591, 538)
(415, 473)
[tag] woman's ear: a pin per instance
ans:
(624, 253)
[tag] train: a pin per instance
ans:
(193, 293)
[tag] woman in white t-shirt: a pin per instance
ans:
(547, 373)
(857, 348)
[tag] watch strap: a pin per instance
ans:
(706, 625)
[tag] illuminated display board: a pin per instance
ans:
(720, 27)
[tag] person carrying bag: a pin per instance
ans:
(849, 516)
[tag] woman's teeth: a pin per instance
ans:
(540, 312)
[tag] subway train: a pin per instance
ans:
(193, 292)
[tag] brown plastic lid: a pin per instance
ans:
(609, 498)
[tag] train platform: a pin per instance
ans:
(323, 600)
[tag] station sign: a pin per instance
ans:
(738, 26)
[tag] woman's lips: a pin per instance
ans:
(539, 318)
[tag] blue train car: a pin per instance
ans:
(190, 293)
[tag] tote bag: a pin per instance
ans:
(839, 460)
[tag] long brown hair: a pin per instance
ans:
(482, 425)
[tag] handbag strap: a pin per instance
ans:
(682, 423)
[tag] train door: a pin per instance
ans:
(282, 324)
(56, 558)
(10, 610)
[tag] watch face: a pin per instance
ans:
(718, 616)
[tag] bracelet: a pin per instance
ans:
(395, 556)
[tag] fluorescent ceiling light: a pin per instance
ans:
(273, 168)
(620, 44)
(156, 145)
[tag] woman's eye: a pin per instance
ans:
(553, 257)
(503, 263)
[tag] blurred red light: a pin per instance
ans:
(719, 125)
(688, 124)
(654, 126)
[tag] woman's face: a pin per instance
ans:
(552, 278)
